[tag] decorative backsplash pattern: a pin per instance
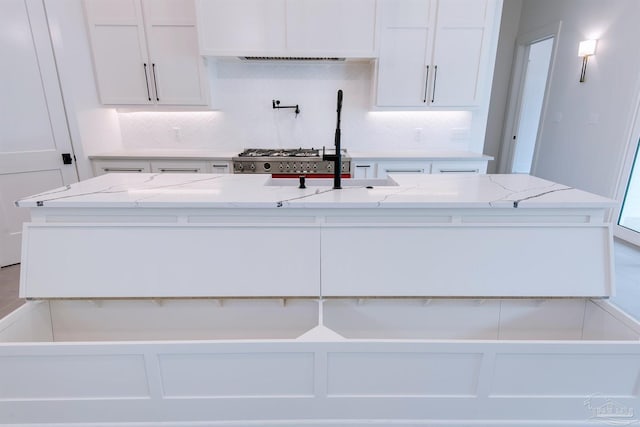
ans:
(242, 94)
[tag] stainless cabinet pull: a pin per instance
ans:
(363, 166)
(404, 170)
(155, 80)
(220, 166)
(459, 171)
(194, 170)
(426, 85)
(146, 79)
(123, 169)
(435, 78)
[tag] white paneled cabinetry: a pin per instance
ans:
(380, 168)
(146, 52)
(100, 167)
(305, 28)
(433, 53)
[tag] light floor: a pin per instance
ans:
(627, 266)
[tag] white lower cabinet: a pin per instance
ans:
(381, 168)
(243, 362)
(363, 170)
(100, 167)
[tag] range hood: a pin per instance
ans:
(292, 58)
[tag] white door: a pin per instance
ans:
(529, 86)
(33, 127)
(531, 102)
(629, 218)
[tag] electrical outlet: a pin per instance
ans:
(460, 134)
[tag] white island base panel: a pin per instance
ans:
(301, 254)
(240, 362)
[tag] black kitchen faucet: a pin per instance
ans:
(337, 157)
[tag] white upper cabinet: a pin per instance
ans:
(433, 52)
(306, 28)
(146, 52)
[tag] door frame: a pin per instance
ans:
(518, 74)
(624, 174)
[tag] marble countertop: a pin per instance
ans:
(165, 154)
(227, 155)
(419, 155)
(139, 190)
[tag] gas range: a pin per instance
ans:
(288, 162)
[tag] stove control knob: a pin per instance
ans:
(281, 166)
(267, 166)
(252, 167)
(329, 166)
(239, 166)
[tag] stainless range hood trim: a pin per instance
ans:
(291, 58)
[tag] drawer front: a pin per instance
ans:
(459, 167)
(391, 167)
(180, 166)
(220, 166)
(101, 167)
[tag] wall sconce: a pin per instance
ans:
(585, 50)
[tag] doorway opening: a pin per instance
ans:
(530, 82)
(629, 217)
(536, 73)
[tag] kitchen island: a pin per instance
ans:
(238, 235)
(221, 300)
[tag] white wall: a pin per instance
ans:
(93, 128)
(501, 78)
(243, 92)
(587, 125)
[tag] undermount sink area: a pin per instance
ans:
(328, 182)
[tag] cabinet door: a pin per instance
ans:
(364, 170)
(241, 27)
(405, 46)
(121, 65)
(458, 49)
(177, 70)
(331, 27)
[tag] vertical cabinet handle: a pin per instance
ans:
(435, 78)
(426, 85)
(146, 79)
(155, 80)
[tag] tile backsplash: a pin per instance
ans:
(242, 94)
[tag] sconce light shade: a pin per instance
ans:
(587, 48)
